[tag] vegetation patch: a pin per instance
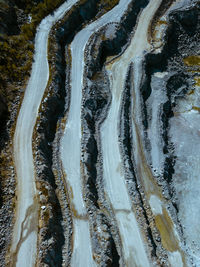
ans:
(16, 50)
(192, 61)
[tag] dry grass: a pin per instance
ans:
(192, 60)
(16, 51)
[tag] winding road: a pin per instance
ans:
(132, 240)
(166, 227)
(24, 243)
(71, 141)
(23, 249)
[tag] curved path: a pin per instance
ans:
(159, 206)
(71, 141)
(132, 240)
(24, 244)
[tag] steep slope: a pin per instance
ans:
(25, 229)
(106, 139)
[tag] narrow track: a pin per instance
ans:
(132, 240)
(24, 243)
(71, 141)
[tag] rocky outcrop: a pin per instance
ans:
(56, 103)
(96, 99)
(156, 133)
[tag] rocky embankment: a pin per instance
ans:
(111, 169)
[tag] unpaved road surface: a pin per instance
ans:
(24, 243)
(71, 141)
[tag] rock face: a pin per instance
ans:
(116, 142)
